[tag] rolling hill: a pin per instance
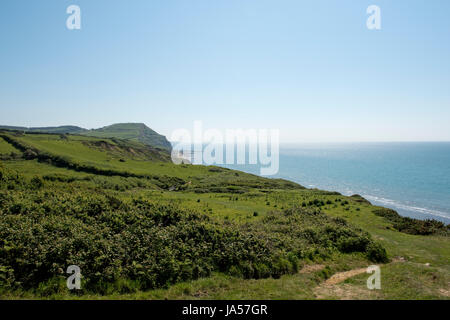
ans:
(137, 132)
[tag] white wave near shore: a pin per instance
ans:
(399, 205)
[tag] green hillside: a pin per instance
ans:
(138, 132)
(141, 227)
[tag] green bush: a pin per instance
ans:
(36, 183)
(134, 244)
(413, 226)
(353, 244)
(325, 273)
(376, 253)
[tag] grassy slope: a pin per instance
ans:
(6, 148)
(411, 279)
(77, 149)
(137, 132)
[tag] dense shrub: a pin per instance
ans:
(36, 183)
(376, 252)
(137, 244)
(153, 244)
(299, 230)
(44, 231)
(413, 226)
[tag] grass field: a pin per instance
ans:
(6, 148)
(149, 229)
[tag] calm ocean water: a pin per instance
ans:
(411, 178)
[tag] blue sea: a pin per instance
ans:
(411, 178)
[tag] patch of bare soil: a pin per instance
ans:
(345, 292)
(445, 293)
(312, 268)
(398, 259)
(342, 276)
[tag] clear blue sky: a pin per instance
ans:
(309, 68)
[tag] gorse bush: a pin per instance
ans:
(45, 226)
(413, 226)
(301, 231)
